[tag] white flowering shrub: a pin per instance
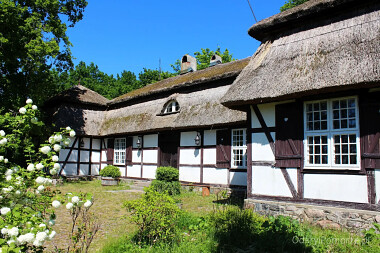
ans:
(27, 201)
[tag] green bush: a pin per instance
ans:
(167, 174)
(156, 215)
(110, 171)
(167, 180)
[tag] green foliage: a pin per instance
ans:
(291, 3)
(167, 181)
(33, 40)
(148, 76)
(110, 171)
(168, 174)
(156, 215)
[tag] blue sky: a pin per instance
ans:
(129, 35)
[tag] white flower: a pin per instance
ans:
(42, 225)
(34, 107)
(39, 166)
(9, 172)
(10, 242)
(4, 231)
(27, 238)
(56, 204)
(69, 206)
(2, 133)
(40, 180)
(8, 178)
(52, 234)
(68, 128)
(29, 101)
(45, 149)
(57, 147)
(58, 138)
(5, 160)
(6, 190)
(13, 231)
(34, 120)
(22, 110)
(37, 243)
(3, 141)
(37, 192)
(41, 188)
(52, 222)
(18, 192)
(48, 181)
(72, 133)
(75, 199)
(67, 142)
(30, 167)
(55, 158)
(51, 139)
(1, 158)
(53, 171)
(5, 210)
(87, 204)
(57, 166)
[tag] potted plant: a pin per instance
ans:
(110, 175)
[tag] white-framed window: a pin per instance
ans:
(238, 148)
(332, 134)
(119, 151)
(171, 107)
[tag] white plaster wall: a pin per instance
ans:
(209, 156)
(150, 156)
(83, 170)
(268, 112)
(69, 170)
(149, 171)
(270, 181)
(136, 156)
(238, 178)
(85, 156)
(95, 157)
(377, 185)
(134, 171)
(104, 156)
(351, 188)
(190, 174)
(187, 139)
(86, 143)
(215, 176)
(189, 156)
(209, 137)
(96, 143)
(122, 171)
(103, 165)
(151, 141)
(95, 169)
(261, 150)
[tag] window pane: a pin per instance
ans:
(337, 159)
(343, 123)
(344, 159)
(351, 113)
(324, 159)
(353, 159)
(317, 159)
(343, 103)
(352, 138)
(336, 124)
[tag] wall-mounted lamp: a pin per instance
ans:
(198, 139)
(81, 143)
(138, 142)
(286, 119)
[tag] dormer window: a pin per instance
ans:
(171, 107)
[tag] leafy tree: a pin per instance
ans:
(291, 3)
(33, 40)
(203, 58)
(148, 76)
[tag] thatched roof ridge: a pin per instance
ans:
(339, 53)
(216, 72)
(80, 95)
(308, 11)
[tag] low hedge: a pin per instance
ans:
(110, 171)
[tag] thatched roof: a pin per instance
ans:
(217, 72)
(197, 109)
(334, 52)
(79, 94)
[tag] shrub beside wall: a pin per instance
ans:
(110, 171)
(167, 180)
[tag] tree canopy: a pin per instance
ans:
(33, 41)
(291, 3)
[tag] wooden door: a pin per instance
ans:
(169, 143)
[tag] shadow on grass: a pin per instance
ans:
(235, 198)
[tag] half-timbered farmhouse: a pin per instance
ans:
(175, 122)
(298, 127)
(312, 95)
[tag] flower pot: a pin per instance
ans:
(106, 181)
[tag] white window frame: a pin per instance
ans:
(330, 133)
(171, 107)
(119, 153)
(242, 147)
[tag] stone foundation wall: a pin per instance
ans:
(324, 216)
